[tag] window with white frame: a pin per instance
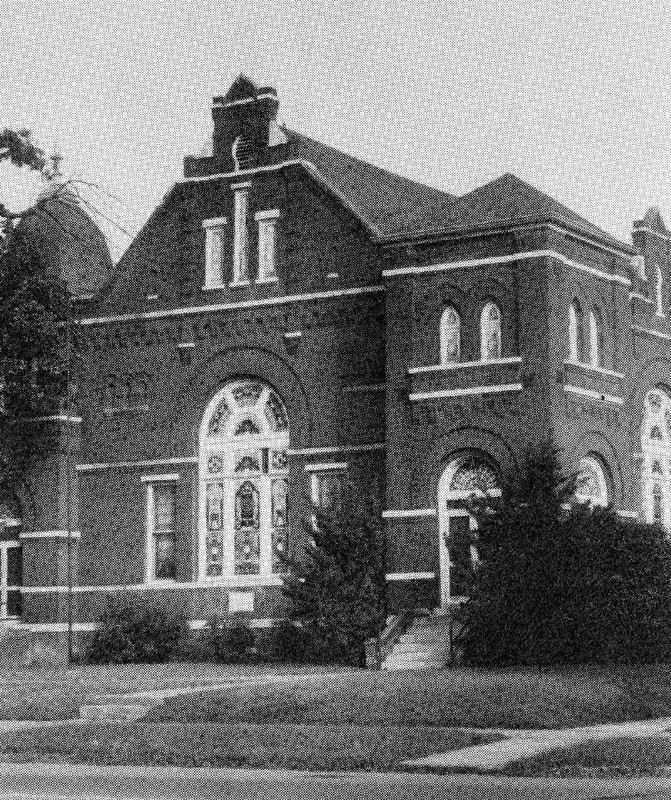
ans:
(592, 484)
(161, 561)
(450, 336)
(656, 457)
(490, 333)
(267, 222)
(240, 237)
(327, 485)
(596, 341)
(660, 292)
(214, 251)
(244, 484)
(576, 332)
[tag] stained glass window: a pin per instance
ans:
(657, 504)
(245, 518)
(656, 446)
(474, 476)
(247, 553)
(490, 333)
(280, 521)
(450, 337)
(215, 523)
(592, 482)
(219, 418)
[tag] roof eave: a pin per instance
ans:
(427, 235)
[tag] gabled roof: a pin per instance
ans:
(508, 200)
(397, 207)
(383, 200)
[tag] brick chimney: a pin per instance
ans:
(242, 122)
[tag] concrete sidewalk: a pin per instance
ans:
(524, 744)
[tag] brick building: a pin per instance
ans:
(290, 315)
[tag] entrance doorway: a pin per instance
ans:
(467, 475)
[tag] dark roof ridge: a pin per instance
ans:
(365, 163)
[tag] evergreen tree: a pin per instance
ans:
(337, 589)
(34, 333)
(563, 582)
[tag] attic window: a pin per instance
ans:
(214, 250)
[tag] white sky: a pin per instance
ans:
(573, 97)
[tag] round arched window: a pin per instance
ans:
(244, 482)
(592, 481)
(656, 462)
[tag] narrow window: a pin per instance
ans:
(214, 251)
(490, 333)
(657, 505)
(450, 336)
(595, 338)
(573, 313)
(660, 293)
(267, 221)
(327, 490)
(240, 243)
(161, 544)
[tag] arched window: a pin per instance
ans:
(660, 292)
(596, 340)
(592, 481)
(450, 336)
(468, 474)
(656, 462)
(576, 332)
(490, 333)
(244, 520)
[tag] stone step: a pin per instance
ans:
(403, 665)
(115, 712)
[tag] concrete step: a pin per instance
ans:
(116, 712)
(425, 636)
(414, 647)
(403, 665)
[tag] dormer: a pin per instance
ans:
(244, 124)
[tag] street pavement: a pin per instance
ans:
(82, 782)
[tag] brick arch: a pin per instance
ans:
(428, 473)
(598, 443)
(209, 377)
(654, 372)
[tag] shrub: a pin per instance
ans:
(558, 585)
(134, 629)
(337, 591)
(284, 642)
(225, 641)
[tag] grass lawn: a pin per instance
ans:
(316, 747)
(609, 758)
(441, 698)
(45, 694)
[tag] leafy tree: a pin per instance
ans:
(561, 582)
(34, 332)
(337, 590)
